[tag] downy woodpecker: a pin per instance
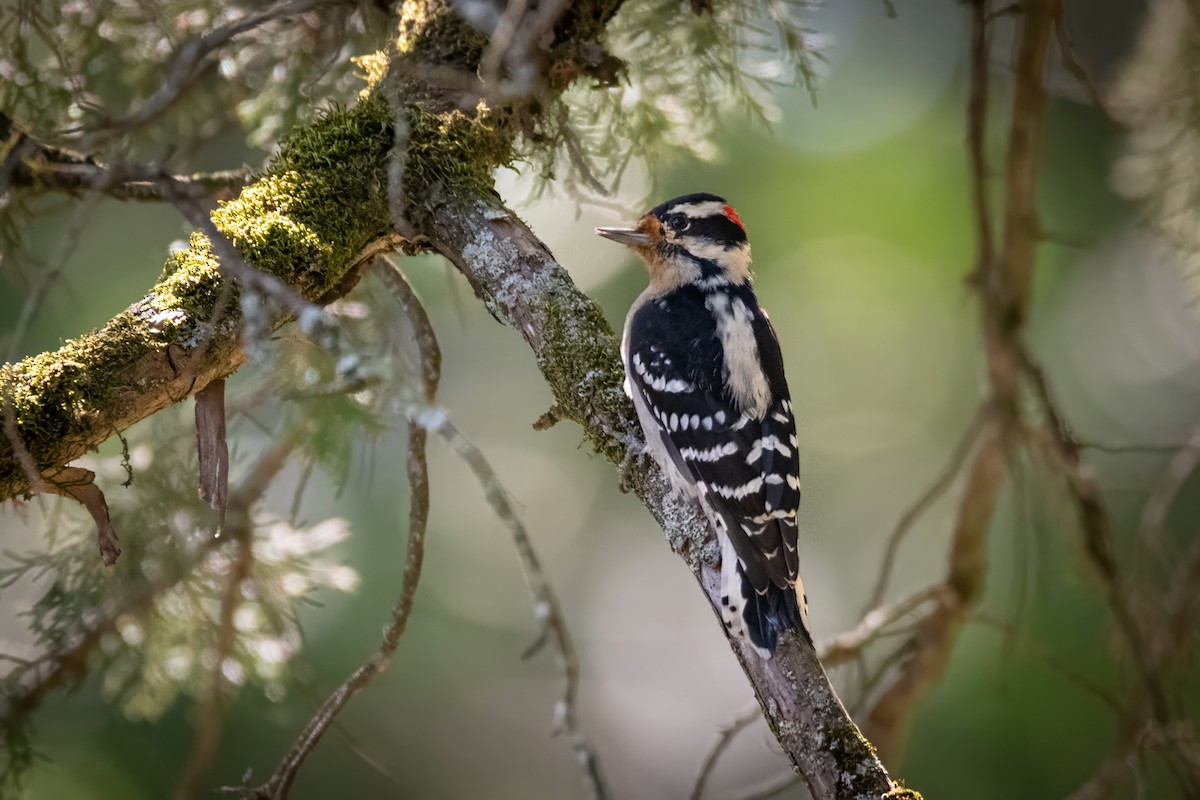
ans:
(703, 367)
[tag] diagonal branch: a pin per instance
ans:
(519, 281)
(290, 226)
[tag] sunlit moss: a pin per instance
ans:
(322, 199)
(434, 32)
(374, 66)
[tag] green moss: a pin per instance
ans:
(322, 199)
(454, 151)
(902, 793)
(584, 369)
(53, 396)
(433, 32)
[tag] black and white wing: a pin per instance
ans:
(742, 463)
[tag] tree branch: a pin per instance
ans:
(312, 222)
(340, 211)
(519, 281)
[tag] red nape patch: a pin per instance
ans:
(734, 218)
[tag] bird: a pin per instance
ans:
(705, 372)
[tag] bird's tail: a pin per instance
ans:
(761, 618)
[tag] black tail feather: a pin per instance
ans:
(768, 615)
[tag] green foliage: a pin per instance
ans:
(685, 74)
(150, 625)
(77, 67)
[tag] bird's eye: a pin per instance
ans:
(678, 222)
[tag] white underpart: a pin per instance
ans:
(743, 373)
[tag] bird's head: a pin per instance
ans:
(696, 238)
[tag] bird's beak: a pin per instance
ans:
(630, 236)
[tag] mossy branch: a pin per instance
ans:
(312, 219)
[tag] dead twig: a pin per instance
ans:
(934, 635)
(1154, 512)
(725, 736)
(79, 485)
(938, 488)
(546, 607)
(850, 645)
(429, 374)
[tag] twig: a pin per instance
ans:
(1098, 550)
(768, 788)
(1061, 449)
(1050, 660)
(240, 530)
(1070, 61)
(1154, 513)
(934, 635)
(939, 487)
(501, 37)
(71, 661)
(191, 63)
(849, 645)
(546, 608)
(280, 782)
(1119, 449)
(34, 165)
(1016, 256)
(977, 109)
(725, 737)
(208, 729)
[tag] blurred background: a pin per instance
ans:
(858, 213)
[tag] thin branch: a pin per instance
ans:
(848, 646)
(934, 635)
(280, 782)
(939, 487)
(1048, 658)
(977, 110)
(127, 182)
(725, 736)
(771, 787)
(60, 668)
(1070, 60)
(546, 607)
(191, 62)
(208, 728)
(28, 163)
(1154, 513)
(241, 531)
(1061, 449)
